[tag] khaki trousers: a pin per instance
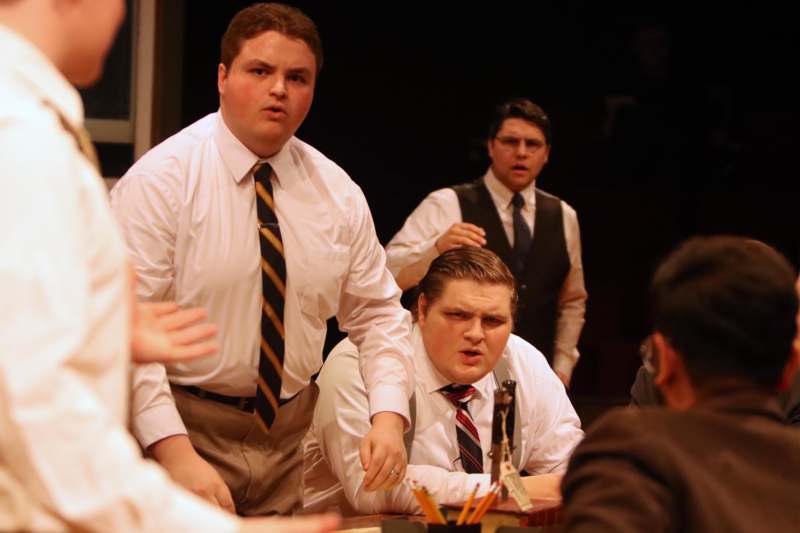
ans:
(263, 471)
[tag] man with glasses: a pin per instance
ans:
(505, 212)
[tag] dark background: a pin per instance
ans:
(668, 121)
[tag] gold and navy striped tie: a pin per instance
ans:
(273, 280)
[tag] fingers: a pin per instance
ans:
(297, 524)
(210, 486)
(385, 471)
(462, 234)
(468, 240)
(365, 453)
(327, 522)
(192, 334)
(311, 524)
(396, 471)
(471, 229)
(393, 477)
(385, 475)
(374, 468)
(207, 493)
(193, 351)
(181, 318)
(159, 308)
(400, 476)
(223, 498)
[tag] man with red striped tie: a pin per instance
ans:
(463, 347)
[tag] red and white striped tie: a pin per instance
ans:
(469, 442)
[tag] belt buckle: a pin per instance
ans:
(242, 404)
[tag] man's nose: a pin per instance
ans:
(474, 332)
(278, 88)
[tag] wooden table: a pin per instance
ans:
(545, 513)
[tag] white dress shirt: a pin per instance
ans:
(188, 212)
(549, 430)
(65, 325)
(414, 246)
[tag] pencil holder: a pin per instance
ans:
(402, 526)
(451, 527)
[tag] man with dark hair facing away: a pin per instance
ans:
(720, 456)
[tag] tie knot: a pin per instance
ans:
(517, 200)
(262, 173)
(458, 394)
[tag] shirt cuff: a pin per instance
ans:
(156, 423)
(390, 398)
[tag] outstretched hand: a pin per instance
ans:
(165, 333)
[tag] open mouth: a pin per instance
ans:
(275, 110)
(520, 168)
(471, 353)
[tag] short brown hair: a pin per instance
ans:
(259, 18)
(523, 109)
(470, 263)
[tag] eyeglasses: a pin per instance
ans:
(648, 354)
(511, 143)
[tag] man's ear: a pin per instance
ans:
(222, 74)
(666, 359)
(422, 309)
(673, 379)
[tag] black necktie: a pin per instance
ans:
(469, 442)
(522, 236)
(273, 280)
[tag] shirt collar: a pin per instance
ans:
(240, 160)
(503, 194)
(237, 157)
(286, 163)
(40, 76)
(431, 380)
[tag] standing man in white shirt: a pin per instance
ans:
(67, 333)
(534, 232)
(461, 339)
(238, 216)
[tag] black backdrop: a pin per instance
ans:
(668, 121)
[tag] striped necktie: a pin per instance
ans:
(86, 146)
(469, 442)
(273, 281)
(82, 138)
